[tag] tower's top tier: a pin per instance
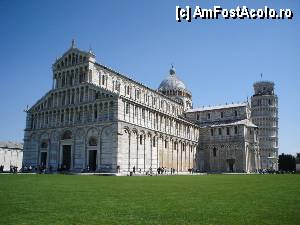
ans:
(264, 88)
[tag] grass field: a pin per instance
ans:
(212, 199)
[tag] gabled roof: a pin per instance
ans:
(75, 50)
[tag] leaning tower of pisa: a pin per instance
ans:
(264, 113)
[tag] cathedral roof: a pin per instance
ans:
(11, 145)
(215, 107)
(172, 82)
(245, 122)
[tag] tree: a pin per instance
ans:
(287, 162)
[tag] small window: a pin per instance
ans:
(154, 141)
(141, 139)
(235, 113)
(212, 132)
(44, 145)
(127, 108)
(197, 116)
(235, 130)
(166, 144)
(208, 116)
(128, 90)
(95, 113)
(214, 152)
(103, 79)
(270, 102)
(220, 131)
(227, 131)
(222, 114)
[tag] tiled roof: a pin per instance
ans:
(245, 122)
(11, 145)
(227, 106)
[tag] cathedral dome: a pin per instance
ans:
(172, 82)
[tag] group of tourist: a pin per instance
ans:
(12, 169)
(267, 171)
(26, 168)
(35, 169)
(164, 170)
(160, 171)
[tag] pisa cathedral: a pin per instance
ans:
(98, 119)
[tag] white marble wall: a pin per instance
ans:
(11, 157)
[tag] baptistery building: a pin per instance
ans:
(97, 119)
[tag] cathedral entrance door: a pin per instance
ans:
(230, 163)
(66, 160)
(92, 160)
(43, 159)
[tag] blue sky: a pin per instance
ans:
(218, 60)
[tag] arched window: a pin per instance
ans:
(214, 152)
(93, 141)
(67, 135)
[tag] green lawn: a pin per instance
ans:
(212, 199)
